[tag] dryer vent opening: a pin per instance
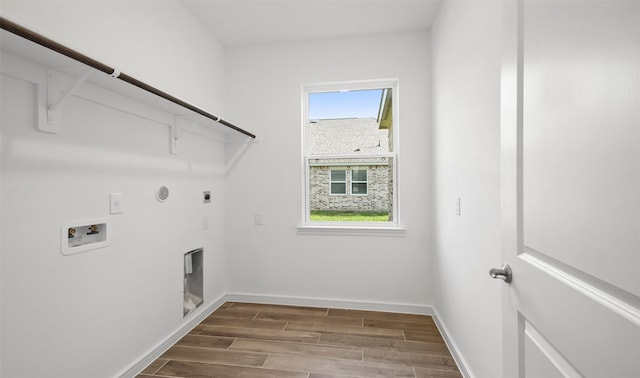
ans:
(193, 281)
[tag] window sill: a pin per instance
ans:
(351, 230)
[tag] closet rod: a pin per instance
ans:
(32, 36)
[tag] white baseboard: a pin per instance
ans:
(162, 347)
(460, 361)
(332, 303)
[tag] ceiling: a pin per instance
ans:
(253, 22)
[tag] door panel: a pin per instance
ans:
(596, 334)
(543, 359)
(571, 188)
(581, 129)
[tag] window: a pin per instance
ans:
(350, 154)
(338, 181)
(359, 182)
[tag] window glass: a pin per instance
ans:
(359, 175)
(338, 188)
(338, 175)
(359, 188)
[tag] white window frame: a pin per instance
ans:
(392, 228)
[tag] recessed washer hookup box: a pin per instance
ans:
(84, 235)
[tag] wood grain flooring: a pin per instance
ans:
(270, 341)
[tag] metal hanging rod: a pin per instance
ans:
(41, 40)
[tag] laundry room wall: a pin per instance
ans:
(273, 261)
(98, 313)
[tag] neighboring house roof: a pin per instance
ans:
(347, 136)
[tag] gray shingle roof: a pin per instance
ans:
(347, 136)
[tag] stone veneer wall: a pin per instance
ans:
(376, 199)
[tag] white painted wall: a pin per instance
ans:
(95, 313)
(264, 93)
(466, 154)
(158, 42)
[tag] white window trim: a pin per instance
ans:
(392, 228)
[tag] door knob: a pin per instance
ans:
(503, 273)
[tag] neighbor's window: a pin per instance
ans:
(338, 181)
(350, 153)
(359, 182)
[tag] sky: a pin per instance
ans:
(352, 104)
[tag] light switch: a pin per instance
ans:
(458, 212)
(257, 219)
(205, 222)
(116, 205)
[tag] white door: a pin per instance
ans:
(571, 188)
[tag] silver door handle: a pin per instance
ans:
(503, 273)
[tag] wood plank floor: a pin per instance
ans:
(254, 340)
